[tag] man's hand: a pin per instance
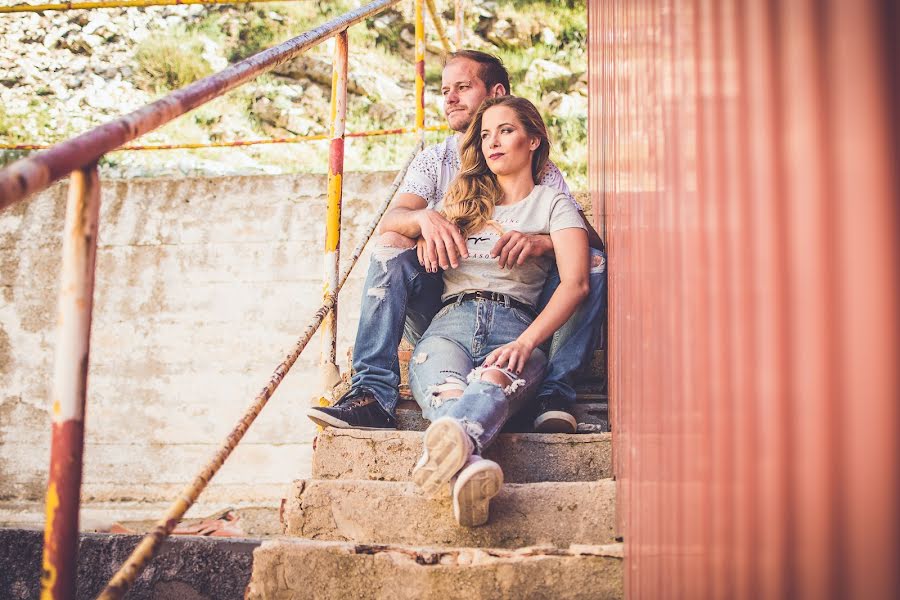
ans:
(515, 247)
(443, 242)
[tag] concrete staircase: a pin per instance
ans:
(359, 528)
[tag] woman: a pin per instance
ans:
(479, 360)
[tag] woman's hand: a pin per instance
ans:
(422, 251)
(511, 356)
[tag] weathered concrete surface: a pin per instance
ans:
(137, 517)
(296, 569)
(187, 568)
(203, 285)
(379, 512)
(524, 457)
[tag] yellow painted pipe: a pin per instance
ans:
(117, 4)
(240, 143)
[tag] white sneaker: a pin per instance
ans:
(475, 485)
(447, 446)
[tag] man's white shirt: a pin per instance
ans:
(433, 169)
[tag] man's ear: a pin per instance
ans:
(497, 90)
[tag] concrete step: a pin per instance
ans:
(380, 512)
(592, 417)
(300, 569)
(524, 457)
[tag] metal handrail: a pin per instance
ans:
(35, 173)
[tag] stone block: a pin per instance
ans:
(378, 512)
(306, 569)
(524, 457)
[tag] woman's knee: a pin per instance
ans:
(393, 257)
(439, 396)
(505, 379)
(510, 381)
(500, 377)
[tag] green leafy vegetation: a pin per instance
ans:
(5, 122)
(286, 104)
(172, 61)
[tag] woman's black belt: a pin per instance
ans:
(493, 297)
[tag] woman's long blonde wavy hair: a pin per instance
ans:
(470, 200)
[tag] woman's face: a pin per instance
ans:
(506, 146)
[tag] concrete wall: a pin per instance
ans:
(203, 286)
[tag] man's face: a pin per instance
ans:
(463, 92)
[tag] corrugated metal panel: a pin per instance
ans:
(745, 156)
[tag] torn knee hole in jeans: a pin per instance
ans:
(384, 254)
(473, 428)
(452, 387)
(377, 291)
(515, 382)
(598, 263)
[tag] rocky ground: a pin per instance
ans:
(64, 72)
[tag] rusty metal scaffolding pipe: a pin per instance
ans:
(241, 143)
(76, 293)
(35, 173)
(148, 547)
(58, 6)
(329, 370)
(439, 26)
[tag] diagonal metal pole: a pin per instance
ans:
(439, 26)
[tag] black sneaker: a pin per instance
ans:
(357, 409)
(554, 416)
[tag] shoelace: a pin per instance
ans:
(355, 401)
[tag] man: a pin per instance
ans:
(402, 295)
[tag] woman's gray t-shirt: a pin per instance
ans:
(544, 210)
